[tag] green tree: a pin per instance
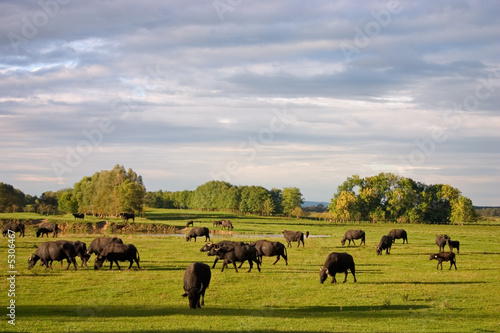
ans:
(66, 201)
(291, 198)
(11, 199)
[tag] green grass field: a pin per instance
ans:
(400, 292)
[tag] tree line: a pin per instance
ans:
(388, 197)
(222, 196)
(383, 197)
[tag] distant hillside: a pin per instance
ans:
(314, 203)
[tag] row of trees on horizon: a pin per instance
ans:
(384, 197)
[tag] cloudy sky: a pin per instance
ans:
(271, 93)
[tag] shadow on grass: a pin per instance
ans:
(116, 311)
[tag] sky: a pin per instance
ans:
(271, 93)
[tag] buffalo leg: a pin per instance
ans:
(131, 262)
(215, 261)
(353, 243)
(137, 262)
(110, 264)
(116, 262)
(258, 265)
(334, 280)
(345, 278)
(453, 262)
(352, 271)
(251, 265)
(275, 261)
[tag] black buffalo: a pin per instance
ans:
(398, 234)
(115, 252)
(79, 216)
(217, 223)
(46, 228)
(196, 281)
(454, 245)
(227, 224)
(198, 232)
(99, 244)
(270, 249)
(81, 251)
(127, 216)
(294, 236)
(441, 241)
(209, 247)
(49, 251)
(13, 227)
(351, 235)
(236, 253)
(444, 256)
(385, 244)
(189, 223)
(337, 263)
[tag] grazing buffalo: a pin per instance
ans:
(385, 244)
(211, 251)
(196, 281)
(351, 235)
(454, 245)
(13, 227)
(198, 232)
(189, 223)
(441, 241)
(397, 234)
(79, 216)
(46, 228)
(217, 223)
(227, 224)
(444, 256)
(270, 249)
(115, 252)
(337, 263)
(49, 251)
(127, 216)
(99, 244)
(294, 236)
(81, 251)
(236, 253)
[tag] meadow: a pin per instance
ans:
(400, 292)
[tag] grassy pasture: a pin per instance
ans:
(400, 292)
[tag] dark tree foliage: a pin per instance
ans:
(11, 199)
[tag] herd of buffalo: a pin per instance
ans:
(197, 276)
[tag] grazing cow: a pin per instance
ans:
(115, 252)
(127, 216)
(49, 251)
(13, 227)
(46, 228)
(294, 236)
(397, 234)
(441, 241)
(444, 256)
(351, 235)
(217, 223)
(99, 244)
(211, 252)
(198, 232)
(270, 249)
(236, 253)
(79, 216)
(385, 244)
(227, 224)
(196, 281)
(189, 223)
(337, 263)
(454, 245)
